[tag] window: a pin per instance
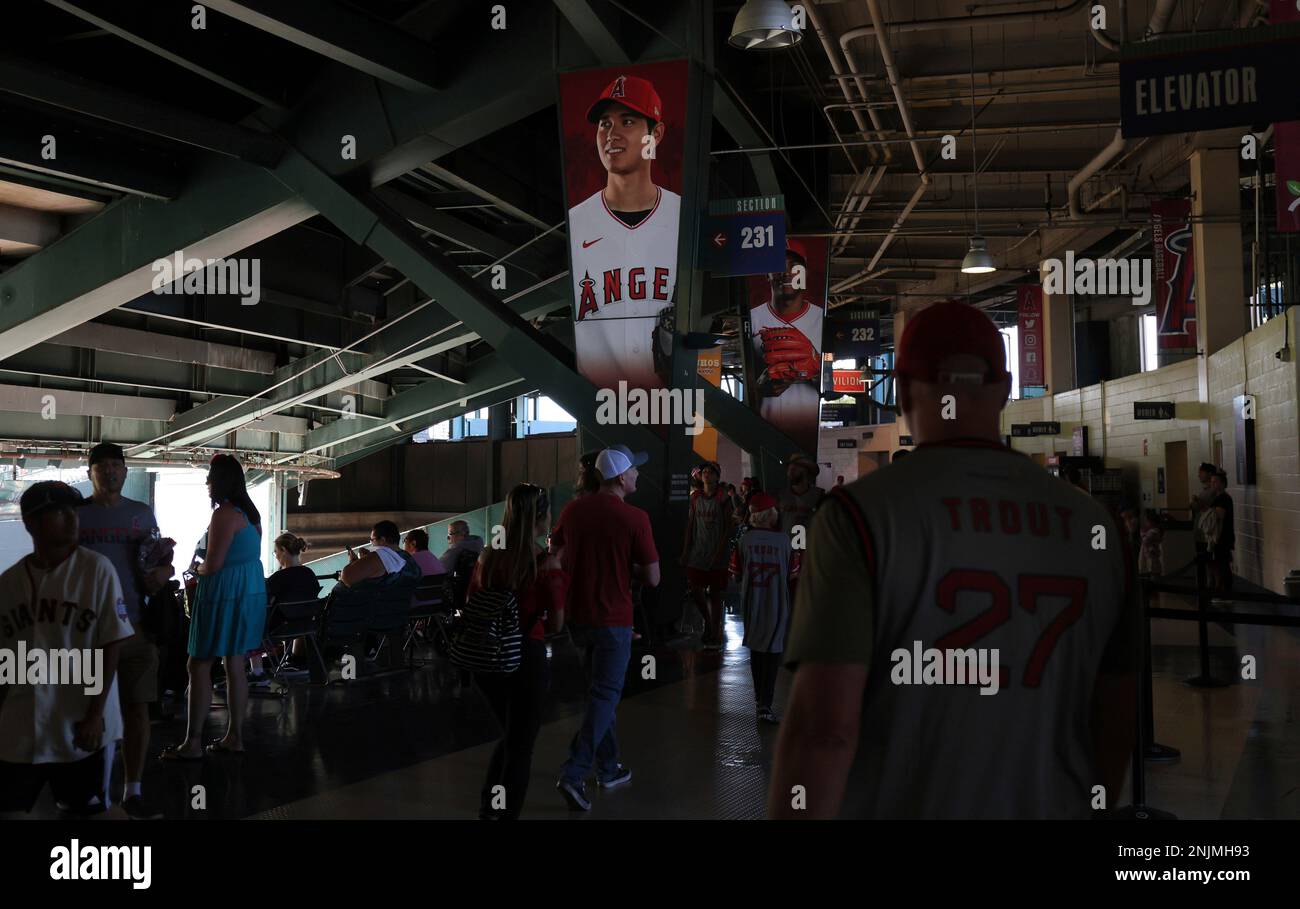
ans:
(1011, 341)
(1148, 339)
(537, 414)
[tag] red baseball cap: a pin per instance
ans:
(632, 92)
(761, 501)
(796, 246)
(946, 330)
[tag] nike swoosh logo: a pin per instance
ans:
(586, 243)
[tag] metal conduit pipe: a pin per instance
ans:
(1104, 157)
(886, 152)
(891, 72)
(1160, 17)
(310, 473)
(931, 25)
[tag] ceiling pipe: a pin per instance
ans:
(954, 22)
(310, 473)
(854, 200)
(891, 72)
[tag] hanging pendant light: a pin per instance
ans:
(764, 25)
(977, 261)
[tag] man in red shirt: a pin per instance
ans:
(604, 541)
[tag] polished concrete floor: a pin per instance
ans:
(415, 745)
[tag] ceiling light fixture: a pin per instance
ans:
(977, 261)
(764, 25)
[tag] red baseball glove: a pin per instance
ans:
(789, 356)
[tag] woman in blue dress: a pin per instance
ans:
(230, 609)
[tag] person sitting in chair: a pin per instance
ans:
(385, 559)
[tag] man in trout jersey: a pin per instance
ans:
(787, 331)
(623, 243)
(969, 551)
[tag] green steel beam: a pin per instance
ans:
(229, 205)
(328, 28)
(46, 85)
(543, 361)
(151, 32)
(597, 29)
(416, 337)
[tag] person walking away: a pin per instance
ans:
(540, 585)
(604, 541)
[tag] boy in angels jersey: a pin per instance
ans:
(61, 597)
(623, 242)
(965, 546)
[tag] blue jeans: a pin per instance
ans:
(607, 652)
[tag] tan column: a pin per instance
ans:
(1220, 292)
(1058, 341)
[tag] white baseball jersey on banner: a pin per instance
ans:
(622, 277)
(76, 606)
(968, 545)
(799, 406)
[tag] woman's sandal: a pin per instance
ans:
(173, 753)
(218, 748)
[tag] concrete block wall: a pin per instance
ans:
(1267, 514)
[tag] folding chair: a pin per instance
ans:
(430, 616)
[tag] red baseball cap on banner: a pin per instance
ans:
(632, 92)
(796, 246)
(946, 330)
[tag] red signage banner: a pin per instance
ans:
(1029, 305)
(849, 382)
(1174, 274)
(1286, 142)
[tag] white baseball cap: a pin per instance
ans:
(618, 460)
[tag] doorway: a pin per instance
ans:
(869, 461)
(1039, 458)
(1177, 498)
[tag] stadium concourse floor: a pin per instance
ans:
(412, 745)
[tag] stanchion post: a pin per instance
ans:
(1151, 749)
(1205, 679)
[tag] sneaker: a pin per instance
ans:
(575, 794)
(138, 809)
(259, 682)
(621, 776)
(768, 715)
(712, 645)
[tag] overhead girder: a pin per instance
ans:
(328, 28)
(542, 360)
(229, 205)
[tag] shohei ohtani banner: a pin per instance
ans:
(783, 331)
(1175, 275)
(623, 132)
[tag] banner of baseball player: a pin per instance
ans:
(623, 135)
(783, 334)
(1029, 308)
(1174, 276)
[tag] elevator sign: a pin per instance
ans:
(744, 236)
(1209, 81)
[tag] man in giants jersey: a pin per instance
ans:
(969, 550)
(623, 242)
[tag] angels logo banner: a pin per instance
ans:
(1174, 275)
(623, 134)
(1029, 306)
(783, 333)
